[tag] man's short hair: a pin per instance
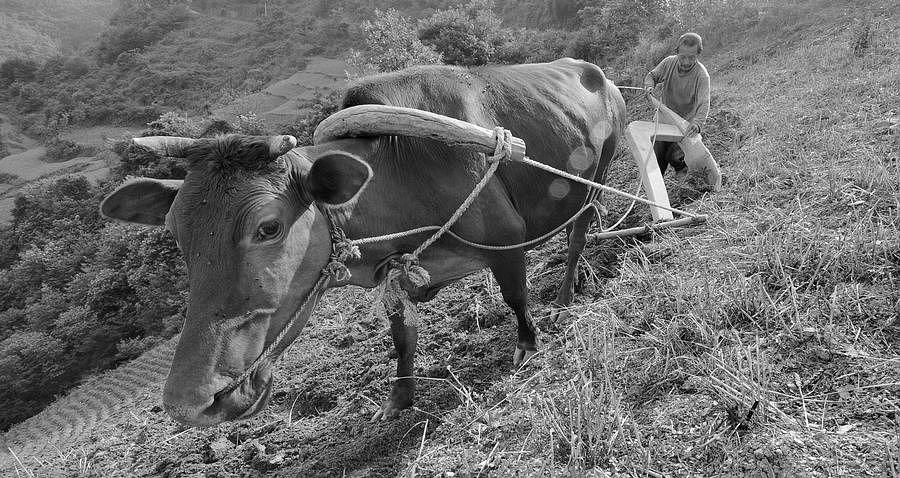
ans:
(690, 39)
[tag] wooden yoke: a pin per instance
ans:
(373, 120)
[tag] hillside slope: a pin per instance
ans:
(763, 343)
(288, 100)
(39, 29)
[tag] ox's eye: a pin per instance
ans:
(268, 230)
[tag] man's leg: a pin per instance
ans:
(662, 149)
(676, 158)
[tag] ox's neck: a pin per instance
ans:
(416, 183)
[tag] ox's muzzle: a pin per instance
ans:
(200, 409)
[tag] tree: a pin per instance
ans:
(392, 45)
(17, 69)
(468, 35)
(610, 29)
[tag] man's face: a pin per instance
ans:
(687, 57)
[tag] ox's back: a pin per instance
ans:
(566, 111)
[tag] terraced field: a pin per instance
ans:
(72, 418)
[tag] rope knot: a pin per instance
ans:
(503, 149)
(345, 250)
(412, 271)
(337, 270)
(342, 250)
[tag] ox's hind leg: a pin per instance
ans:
(405, 338)
(577, 240)
(509, 270)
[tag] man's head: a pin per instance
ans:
(690, 45)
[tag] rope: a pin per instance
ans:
(342, 249)
(409, 263)
(271, 350)
(627, 211)
(506, 146)
(502, 150)
(604, 187)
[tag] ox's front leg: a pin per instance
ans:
(577, 240)
(509, 270)
(405, 338)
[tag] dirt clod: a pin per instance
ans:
(217, 449)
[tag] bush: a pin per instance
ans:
(30, 371)
(17, 69)
(59, 150)
(392, 45)
(173, 124)
(55, 209)
(530, 46)
(89, 295)
(609, 30)
(322, 107)
(467, 35)
(250, 124)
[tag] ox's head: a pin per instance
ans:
(246, 221)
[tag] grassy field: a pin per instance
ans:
(765, 343)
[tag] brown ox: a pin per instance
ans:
(249, 215)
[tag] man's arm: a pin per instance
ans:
(654, 75)
(702, 101)
(702, 109)
(649, 81)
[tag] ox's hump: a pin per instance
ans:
(592, 77)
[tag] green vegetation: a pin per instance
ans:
(40, 29)
(765, 342)
(75, 290)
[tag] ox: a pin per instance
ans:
(253, 216)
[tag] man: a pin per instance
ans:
(685, 90)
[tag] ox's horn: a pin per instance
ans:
(372, 120)
(171, 146)
(281, 144)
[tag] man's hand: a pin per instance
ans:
(693, 128)
(648, 90)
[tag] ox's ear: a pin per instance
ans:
(337, 178)
(141, 201)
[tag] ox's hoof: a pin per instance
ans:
(558, 314)
(389, 411)
(521, 356)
